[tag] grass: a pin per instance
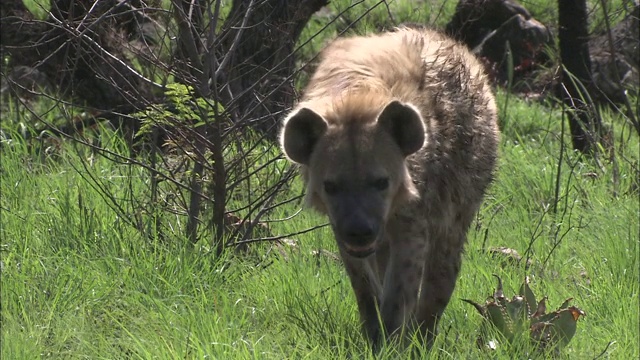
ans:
(79, 282)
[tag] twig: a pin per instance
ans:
(103, 50)
(236, 40)
(559, 168)
(276, 238)
(605, 349)
(612, 51)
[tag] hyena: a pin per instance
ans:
(396, 136)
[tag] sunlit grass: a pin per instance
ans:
(78, 281)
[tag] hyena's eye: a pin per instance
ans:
(331, 187)
(380, 184)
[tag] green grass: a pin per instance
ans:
(79, 282)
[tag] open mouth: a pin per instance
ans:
(359, 251)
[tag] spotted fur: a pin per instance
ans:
(396, 137)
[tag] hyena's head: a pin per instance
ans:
(354, 166)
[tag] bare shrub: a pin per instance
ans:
(196, 89)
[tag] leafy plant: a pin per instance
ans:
(182, 106)
(524, 313)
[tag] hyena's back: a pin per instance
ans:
(414, 208)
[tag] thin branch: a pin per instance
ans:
(616, 70)
(236, 40)
(104, 51)
(276, 238)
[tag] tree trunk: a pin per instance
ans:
(260, 74)
(79, 48)
(576, 83)
(84, 49)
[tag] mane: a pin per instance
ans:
(356, 107)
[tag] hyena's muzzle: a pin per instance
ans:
(357, 224)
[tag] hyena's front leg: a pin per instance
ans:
(439, 280)
(402, 280)
(367, 288)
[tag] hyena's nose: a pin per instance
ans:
(362, 235)
(360, 239)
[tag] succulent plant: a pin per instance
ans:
(524, 313)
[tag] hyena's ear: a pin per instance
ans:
(301, 132)
(405, 125)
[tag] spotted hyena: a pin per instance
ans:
(396, 137)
